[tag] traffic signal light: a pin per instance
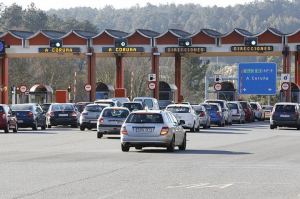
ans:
(55, 43)
(2, 47)
(251, 41)
(185, 42)
(120, 42)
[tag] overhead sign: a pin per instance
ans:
(285, 86)
(257, 78)
(123, 49)
(151, 85)
(23, 89)
(185, 49)
(87, 87)
(218, 78)
(252, 48)
(59, 50)
(285, 77)
(218, 86)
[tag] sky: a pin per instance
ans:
(57, 4)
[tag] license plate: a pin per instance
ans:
(20, 121)
(144, 130)
(284, 116)
(93, 122)
(62, 115)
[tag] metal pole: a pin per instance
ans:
(13, 98)
(206, 87)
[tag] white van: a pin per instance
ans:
(150, 102)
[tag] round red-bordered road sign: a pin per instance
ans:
(87, 87)
(23, 88)
(285, 86)
(218, 86)
(151, 85)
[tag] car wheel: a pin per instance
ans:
(272, 126)
(43, 127)
(6, 130)
(298, 127)
(125, 147)
(193, 128)
(74, 126)
(15, 130)
(171, 146)
(198, 128)
(82, 128)
(138, 148)
(99, 135)
(49, 126)
(205, 126)
(182, 147)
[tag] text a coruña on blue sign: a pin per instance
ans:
(257, 78)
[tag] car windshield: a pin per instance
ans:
(133, 106)
(62, 107)
(214, 108)
(21, 107)
(254, 106)
(106, 102)
(244, 105)
(233, 106)
(207, 107)
(285, 108)
(1, 109)
(218, 102)
(115, 113)
(145, 118)
(93, 108)
(179, 109)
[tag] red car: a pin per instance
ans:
(249, 114)
(7, 119)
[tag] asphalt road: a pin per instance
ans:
(239, 161)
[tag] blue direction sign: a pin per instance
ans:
(257, 78)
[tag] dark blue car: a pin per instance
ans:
(216, 114)
(29, 115)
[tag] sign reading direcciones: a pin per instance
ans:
(185, 49)
(251, 48)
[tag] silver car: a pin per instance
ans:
(203, 115)
(89, 116)
(238, 113)
(152, 128)
(111, 120)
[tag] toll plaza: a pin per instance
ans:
(146, 43)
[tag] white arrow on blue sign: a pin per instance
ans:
(257, 78)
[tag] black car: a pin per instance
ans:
(29, 115)
(62, 114)
(286, 115)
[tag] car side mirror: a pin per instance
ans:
(181, 122)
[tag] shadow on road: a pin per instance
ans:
(221, 132)
(195, 151)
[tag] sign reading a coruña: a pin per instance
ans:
(185, 49)
(252, 48)
(59, 50)
(123, 49)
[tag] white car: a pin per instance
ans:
(186, 113)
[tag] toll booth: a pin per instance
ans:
(295, 94)
(40, 94)
(104, 91)
(167, 91)
(227, 92)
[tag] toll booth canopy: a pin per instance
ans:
(40, 94)
(295, 94)
(167, 91)
(104, 91)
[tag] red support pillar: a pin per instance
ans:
(287, 69)
(92, 73)
(178, 77)
(4, 80)
(297, 69)
(120, 91)
(155, 70)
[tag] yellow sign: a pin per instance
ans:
(122, 49)
(185, 49)
(59, 50)
(251, 48)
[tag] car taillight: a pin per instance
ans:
(101, 120)
(124, 131)
(74, 114)
(30, 114)
(164, 130)
(202, 114)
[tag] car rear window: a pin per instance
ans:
(214, 108)
(93, 108)
(218, 102)
(179, 109)
(133, 106)
(285, 108)
(1, 109)
(62, 107)
(254, 106)
(233, 106)
(22, 107)
(115, 113)
(145, 118)
(244, 104)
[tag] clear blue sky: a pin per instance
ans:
(56, 4)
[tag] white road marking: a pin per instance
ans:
(199, 186)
